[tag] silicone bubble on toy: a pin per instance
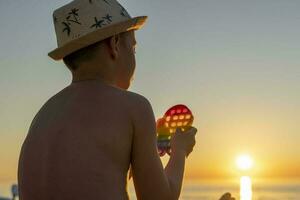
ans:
(178, 116)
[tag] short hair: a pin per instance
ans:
(72, 60)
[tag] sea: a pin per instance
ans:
(242, 188)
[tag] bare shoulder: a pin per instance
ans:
(133, 101)
(138, 103)
(142, 115)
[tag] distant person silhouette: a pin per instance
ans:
(14, 191)
(227, 196)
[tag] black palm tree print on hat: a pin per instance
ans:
(106, 2)
(73, 13)
(68, 22)
(108, 18)
(98, 24)
(67, 28)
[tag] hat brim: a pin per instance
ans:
(96, 36)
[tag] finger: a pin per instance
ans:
(193, 143)
(189, 151)
(192, 131)
(178, 130)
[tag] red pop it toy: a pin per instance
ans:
(178, 116)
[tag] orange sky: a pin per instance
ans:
(235, 64)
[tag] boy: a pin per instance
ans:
(83, 140)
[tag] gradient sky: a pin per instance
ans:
(234, 63)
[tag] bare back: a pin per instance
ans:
(78, 145)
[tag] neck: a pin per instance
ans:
(90, 77)
(95, 71)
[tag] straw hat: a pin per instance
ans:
(83, 22)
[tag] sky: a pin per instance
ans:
(235, 64)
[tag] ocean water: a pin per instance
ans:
(243, 188)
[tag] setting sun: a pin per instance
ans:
(244, 162)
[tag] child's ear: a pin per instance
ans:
(114, 46)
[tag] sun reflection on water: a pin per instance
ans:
(245, 188)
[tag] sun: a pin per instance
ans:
(244, 162)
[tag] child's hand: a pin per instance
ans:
(184, 140)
